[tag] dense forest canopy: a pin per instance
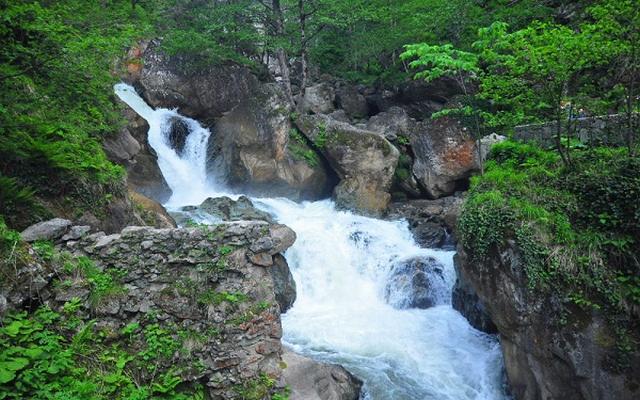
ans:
(530, 60)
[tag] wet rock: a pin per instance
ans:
(227, 209)
(46, 230)
(416, 283)
(363, 160)
(465, 300)
(130, 148)
(178, 132)
(312, 380)
(319, 99)
(432, 222)
(284, 285)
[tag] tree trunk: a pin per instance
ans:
(303, 45)
(280, 52)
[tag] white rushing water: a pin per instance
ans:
(341, 263)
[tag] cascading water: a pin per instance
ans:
(342, 264)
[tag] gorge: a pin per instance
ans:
(341, 263)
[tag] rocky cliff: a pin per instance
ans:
(550, 351)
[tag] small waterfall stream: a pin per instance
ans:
(342, 264)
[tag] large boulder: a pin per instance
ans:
(201, 94)
(319, 99)
(252, 149)
(393, 123)
(312, 380)
(363, 160)
(46, 230)
(417, 283)
(445, 156)
(352, 102)
(551, 350)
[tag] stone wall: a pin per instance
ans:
(606, 129)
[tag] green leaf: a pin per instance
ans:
(6, 376)
(13, 328)
(15, 364)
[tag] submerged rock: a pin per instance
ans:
(312, 380)
(178, 133)
(416, 283)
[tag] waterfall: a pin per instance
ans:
(345, 312)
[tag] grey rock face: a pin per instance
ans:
(352, 102)
(46, 230)
(363, 160)
(312, 380)
(199, 280)
(319, 99)
(253, 152)
(76, 232)
(203, 95)
(465, 300)
(392, 123)
(545, 359)
(416, 283)
(284, 285)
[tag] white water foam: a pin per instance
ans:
(341, 264)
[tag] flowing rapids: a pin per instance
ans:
(341, 264)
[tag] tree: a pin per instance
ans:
(616, 29)
(446, 61)
(528, 74)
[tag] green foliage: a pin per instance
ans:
(56, 101)
(438, 61)
(50, 355)
(206, 33)
(260, 389)
(301, 150)
(576, 229)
